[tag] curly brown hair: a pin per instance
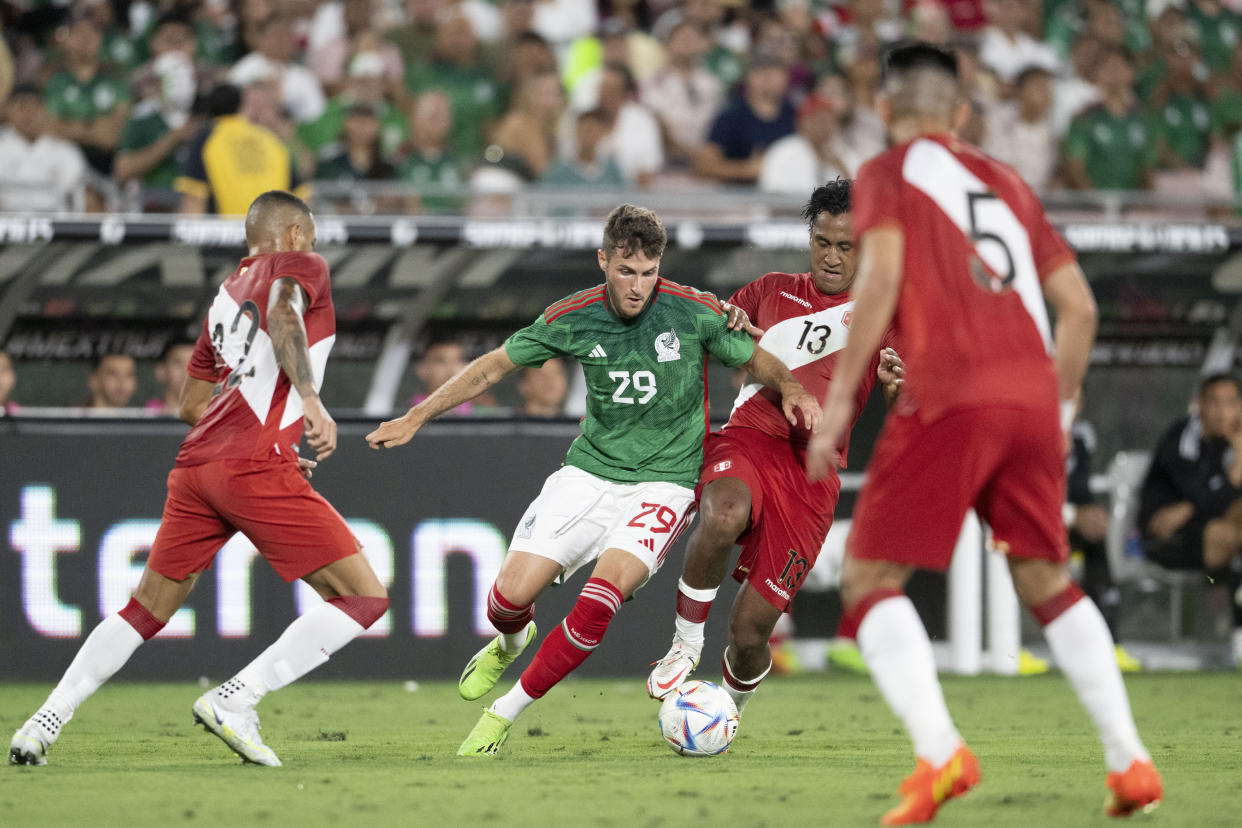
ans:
(630, 228)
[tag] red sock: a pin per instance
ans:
(1049, 610)
(141, 619)
(506, 617)
(577, 636)
(853, 616)
(692, 610)
(364, 609)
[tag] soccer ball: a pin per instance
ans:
(698, 719)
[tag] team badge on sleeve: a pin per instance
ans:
(668, 347)
(527, 527)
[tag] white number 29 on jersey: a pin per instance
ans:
(642, 382)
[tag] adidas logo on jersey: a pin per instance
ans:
(598, 351)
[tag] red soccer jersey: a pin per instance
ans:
(255, 417)
(805, 329)
(971, 316)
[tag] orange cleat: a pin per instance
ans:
(1138, 789)
(928, 788)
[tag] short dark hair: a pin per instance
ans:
(1217, 378)
(910, 56)
(100, 357)
(26, 88)
(174, 342)
(224, 99)
(630, 229)
(263, 209)
(832, 198)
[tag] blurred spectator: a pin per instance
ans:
(1218, 29)
(112, 381)
(633, 132)
(1181, 120)
(860, 128)
(684, 96)
(617, 43)
(261, 105)
(331, 59)
(416, 37)
(8, 381)
(300, 91)
(1117, 24)
(586, 168)
(974, 130)
(217, 30)
(161, 121)
(1109, 145)
(440, 363)
(429, 165)
(174, 62)
(231, 160)
(7, 69)
(869, 27)
(1190, 507)
(562, 21)
(170, 373)
(514, 60)
(930, 21)
(542, 389)
(760, 117)
(814, 154)
(455, 67)
(39, 172)
(1074, 90)
(1006, 48)
(357, 156)
(777, 41)
(1226, 100)
(1020, 132)
(812, 47)
(728, 41)
(366, 85)
(526, 135)
(88, 103)
(864, 82)
(118, 48)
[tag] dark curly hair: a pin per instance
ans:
(630, 228)
(833, 198)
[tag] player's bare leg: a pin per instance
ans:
(1084, 650)
(898, 653)
(354, 599)
(724, 512)
(748, 658)
(616, 575)
(102, 654)
(511, 608)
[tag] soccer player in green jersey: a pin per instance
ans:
(626, 492)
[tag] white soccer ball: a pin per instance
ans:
(698, 719)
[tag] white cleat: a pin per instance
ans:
(668, 673)
(31, 743)
(239, 729)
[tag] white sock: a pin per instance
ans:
(514, 642)
(103, 652)
(511, 704)
(691, 632)
(895, 646)
(1083, 649)
(303, 646)
(741, 697)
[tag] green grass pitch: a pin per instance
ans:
(811, 750)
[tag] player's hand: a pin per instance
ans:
(822, 456)
(803, 401)
(891, 372)
(320, 427)
(306, 466)
(1168, 519)
(393, 433)
(738, 320)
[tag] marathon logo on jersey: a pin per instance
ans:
(768, 583)
(668, 347)
(723, 465)
(527, 528)
(797, 299)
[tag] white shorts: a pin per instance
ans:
(578, 515)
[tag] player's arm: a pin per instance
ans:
(195, 395)
(770, 371)
(285, 306)
(467, 384)
(1066, 290)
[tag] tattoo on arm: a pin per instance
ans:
(288, 334)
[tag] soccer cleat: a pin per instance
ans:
(239, 729)
(668, 673)
(1139, 788)
(844, 653)
(1030, 664)
(489, 733)
(1126, 662)
(31, 743)
(928, 788)
(484, 670)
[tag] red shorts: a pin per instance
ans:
(1006, 463)
(789, 515)
(272, 504)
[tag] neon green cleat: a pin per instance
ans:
(1126, 662)
(489, 733)
(1030, 664)
(844, 653)
(484, 670)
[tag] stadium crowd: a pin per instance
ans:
(166, 105)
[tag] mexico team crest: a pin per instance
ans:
(668, 347)
(527, 527)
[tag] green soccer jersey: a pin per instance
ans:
(1182, 123)
(646, 392)
(69, 99)
(1116, 150)
(144, 128)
